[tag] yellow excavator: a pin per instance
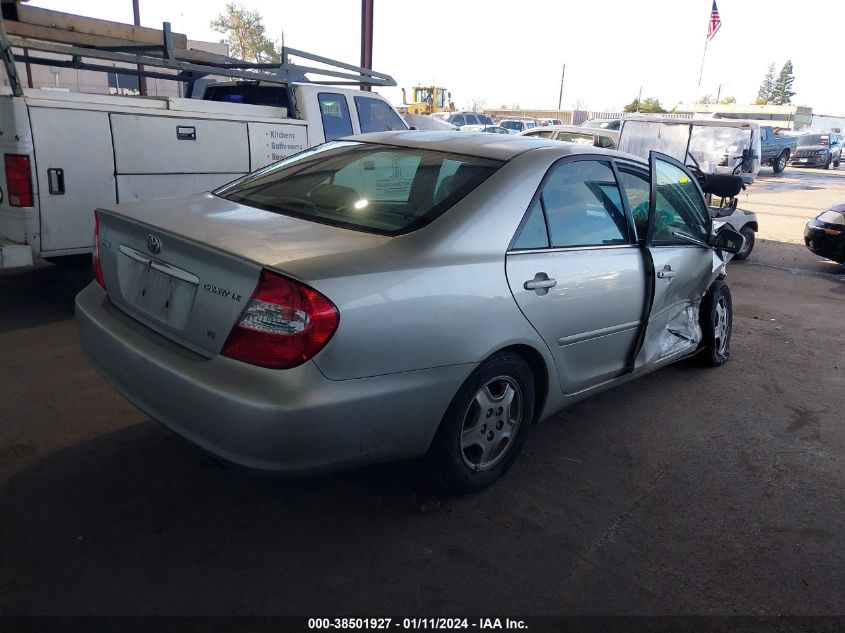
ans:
(427, 100)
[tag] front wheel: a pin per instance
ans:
(750, 238)
(780, 163)
(827, 164)
(716, 319)
(485, 425)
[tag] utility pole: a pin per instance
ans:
(639, 98)
(366, 37)
(560, 97)
(142, 81)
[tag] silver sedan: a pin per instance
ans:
(404, 294)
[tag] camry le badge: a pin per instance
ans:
(153, 244)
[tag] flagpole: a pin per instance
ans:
(701, 72)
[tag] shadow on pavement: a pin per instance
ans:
(43, 294)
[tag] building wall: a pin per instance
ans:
(824, 123)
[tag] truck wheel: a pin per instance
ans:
(780, 163)
(750, 238)
(716, 319)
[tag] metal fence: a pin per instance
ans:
(567, 117)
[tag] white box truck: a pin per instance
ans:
(63, 154)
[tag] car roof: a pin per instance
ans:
(481, 144)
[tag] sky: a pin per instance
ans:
(512, 53)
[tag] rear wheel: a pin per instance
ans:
(750, 238)
(716, 319)
(485, 425)
(780, 162)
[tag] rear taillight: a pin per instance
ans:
(18, 180)
(98, 267)
(284, 324)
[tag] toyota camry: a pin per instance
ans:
(404, 294)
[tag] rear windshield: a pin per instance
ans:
(511, 125)
(363, 186)
(814, 139)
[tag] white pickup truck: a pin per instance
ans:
(66, 153)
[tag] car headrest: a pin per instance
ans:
(723, 185)
(331, 196)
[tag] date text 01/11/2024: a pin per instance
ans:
(431, 624)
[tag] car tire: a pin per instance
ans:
(780, 163)
(837, 161)
(827, 164)
(485, 426)
(750, 239)
(716, 320)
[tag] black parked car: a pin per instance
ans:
(818, 150)
(825, 234)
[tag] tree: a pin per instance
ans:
(767, 87)
(783, 93)
(727, 100)
(707, 99)
(245, 34)
(648, 105)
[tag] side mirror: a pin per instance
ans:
(729, 240)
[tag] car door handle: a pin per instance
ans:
(540, 284)
(666, 273)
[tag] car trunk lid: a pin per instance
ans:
(187, 267)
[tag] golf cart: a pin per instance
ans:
(723, 155)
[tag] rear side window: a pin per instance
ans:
(376, 116)
(638, 190)
(365, 187)
(335, 114)
(533, 233)
(583, 205)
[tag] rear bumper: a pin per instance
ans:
(292, 420)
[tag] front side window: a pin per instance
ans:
(680, 211)
(335, 114)
(377, 116)
(365, 187)
(458, 120)
(583, 205)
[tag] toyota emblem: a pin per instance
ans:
(153, 244)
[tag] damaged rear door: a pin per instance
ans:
(677, 241)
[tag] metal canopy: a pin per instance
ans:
(189, 64)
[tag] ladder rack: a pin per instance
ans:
(77, 39)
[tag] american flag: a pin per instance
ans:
(715, 22)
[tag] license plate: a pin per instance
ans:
(161, 296)
(802, 160)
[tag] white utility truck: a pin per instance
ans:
(63, 153)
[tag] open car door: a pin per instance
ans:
(678, 245)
